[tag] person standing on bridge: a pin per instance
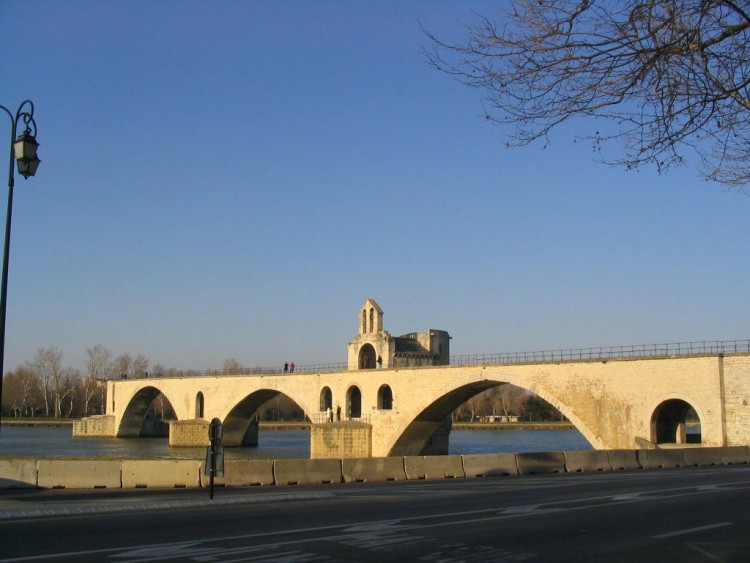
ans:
(286, 367)
(291, 367)
(338, 413)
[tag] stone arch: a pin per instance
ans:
(385, 397)
(574, 419)
(419, 432)
(326, 399)
(353, 402)
(241, 423)
(139, 420)
(675, 421)
(367, 357)
(199, 405)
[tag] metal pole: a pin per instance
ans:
(6, 255)
(28, 118)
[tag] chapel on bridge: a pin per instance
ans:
(375, 348)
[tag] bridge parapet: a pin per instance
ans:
(635, 351)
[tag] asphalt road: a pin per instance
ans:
(685, 515)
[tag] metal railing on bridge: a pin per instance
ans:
(309, 368)
(562, 355)
(608, 353)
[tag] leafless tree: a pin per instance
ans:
(668, 76)
(232, 366)
(21, 395)
(506, 399)
(98, 369)
(132, 367)
(140, 366)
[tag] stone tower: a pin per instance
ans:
(375, 348)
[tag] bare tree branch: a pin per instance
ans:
(669, 76)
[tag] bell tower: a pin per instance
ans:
(371, 318)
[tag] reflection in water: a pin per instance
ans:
(274, 444)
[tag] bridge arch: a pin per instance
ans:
(241, 422)
(137, 421)
(675, 421)
(430, 415)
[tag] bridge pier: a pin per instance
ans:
(97, 426)
(188, 433)
(337, 440)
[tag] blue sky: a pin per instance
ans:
(234, 179)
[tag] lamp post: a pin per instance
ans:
(23, 151)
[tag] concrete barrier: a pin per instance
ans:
(577, 461)
(734, 455)
(78, 473)
(307, 471)
(489, 465)
(368, 469)
(161, 473)
(534, 463)
(433, 467)
(18, 473)
(243, 473)
(621, 460)
(444, 467)
(702, 456)
(663, 459)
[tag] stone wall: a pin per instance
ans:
(340, 440)
(188, 433)
(737, 400)
(98, 426)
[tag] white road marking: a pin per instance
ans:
(692, 530)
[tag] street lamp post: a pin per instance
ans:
(23, 152)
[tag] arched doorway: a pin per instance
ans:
(199, 405)
(367, 357)
(353, 402)
(385, 398)
(675, 422)
(326, 399)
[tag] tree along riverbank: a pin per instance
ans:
(297, 425)
(512, 426)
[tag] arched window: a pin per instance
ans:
(385, 398)
(364, 321)
(199, 405)
(354, 402)
(367, 357)
(372, 319)
(326, 399)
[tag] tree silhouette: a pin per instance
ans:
(669, 76)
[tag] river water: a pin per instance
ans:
(274, 444)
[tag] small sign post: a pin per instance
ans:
(214, 454)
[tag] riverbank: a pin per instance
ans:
(297, 425)
(28, 422)
(513, 426)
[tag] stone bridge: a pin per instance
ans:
(616, 403)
